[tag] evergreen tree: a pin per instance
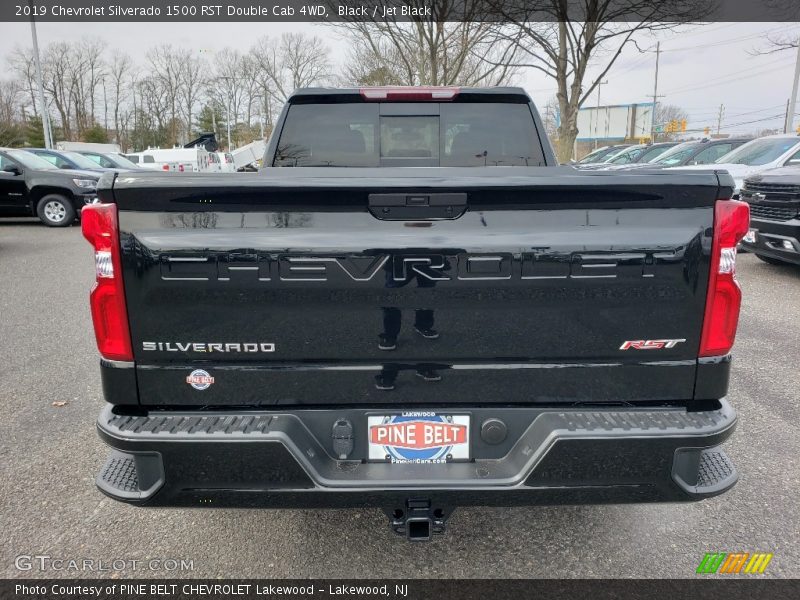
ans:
(34, 132)
(96, 134)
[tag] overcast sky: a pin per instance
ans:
(701, 67)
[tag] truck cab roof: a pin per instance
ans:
(410, 94)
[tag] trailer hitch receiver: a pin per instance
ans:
(418, 520)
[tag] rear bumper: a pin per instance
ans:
(284, 459)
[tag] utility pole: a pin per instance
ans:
(135, 128)
(719, 117)
(48, 140)
(597, 111)
(228, 123)
(789, 126)
(261, 119)
(786, 116)
(228, 110)
(655, 95)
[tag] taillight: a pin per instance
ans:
(180, 167)
(425, 93)
(724, 298)
(165, 167)
(109, 313)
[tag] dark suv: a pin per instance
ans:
(774, 198)
(31, 186)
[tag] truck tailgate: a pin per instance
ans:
(282, 287)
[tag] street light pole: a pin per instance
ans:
(228, 122)
(261, 118)
(655, 95)
(48, 140)
(228, 109)
(793, 102)
(597, 111)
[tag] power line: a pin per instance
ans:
(778, 116)
(643, 59)
(713, 112)
(734, 125)
(725, 79)
(781, 29)
(639, 62)
(705, 30)
(757, 111)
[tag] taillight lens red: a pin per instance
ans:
(425, 93)
(165, 167)
(724, 298)
(107, 299)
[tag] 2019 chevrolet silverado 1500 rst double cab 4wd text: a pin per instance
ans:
(413, 307)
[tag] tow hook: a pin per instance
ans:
(418, 520)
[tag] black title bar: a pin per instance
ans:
(332, 11)
(699, 588)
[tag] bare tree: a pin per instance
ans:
(262, 78)
(564, 49)
(165, 79)
(550, 118)
(88, 71)
(253, 101)
(120, 72)
(454, 46)
(779, 43)
(192, 76)
(227, 90)
(57, 69)
(10, 121)
(73, 75)
(667, 113)
(155, 111)
(787, 11)
(295, 60)
(23, 66)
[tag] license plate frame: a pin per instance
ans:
(419, 437)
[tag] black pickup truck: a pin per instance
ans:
(30, 186)
(413, 307)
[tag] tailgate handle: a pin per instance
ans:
(419, 207)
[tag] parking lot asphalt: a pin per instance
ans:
(49, 455)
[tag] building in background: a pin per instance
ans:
(605, 125)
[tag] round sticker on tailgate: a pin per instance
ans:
(199, 379)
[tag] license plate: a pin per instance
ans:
(750, 236)
(418, 437)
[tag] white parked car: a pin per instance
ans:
(175, 159)
(768, 152)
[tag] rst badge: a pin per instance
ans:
(199, 379)
(418, 437)
(649, 344)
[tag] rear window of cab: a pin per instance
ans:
(451, 135)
